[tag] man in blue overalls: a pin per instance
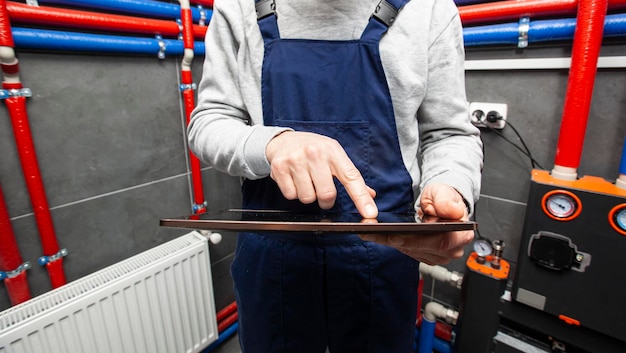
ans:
(316, 104)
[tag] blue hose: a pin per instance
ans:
(538, 31)
(149, 8)
(437, 344)
(29, 38)
(226, 334)
(622, 164)
(427, 334)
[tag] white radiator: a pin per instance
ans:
(158, 301)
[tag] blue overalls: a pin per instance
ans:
(305, 292)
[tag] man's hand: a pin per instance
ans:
(437, 201)
(303, 165)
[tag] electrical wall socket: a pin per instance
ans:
(488, 114)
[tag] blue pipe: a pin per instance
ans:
(226, 334)
(427, 334)
(29, 38)
(538, 31)
(622, 165)
(150, 8)
(437, 345)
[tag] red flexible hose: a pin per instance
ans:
(10, 258)
(6, 38)
(194, 162)
(26, 149)
(514, 9)
(224, 324)
(226, 311)
(208, 3)
(45, 15)
(585, 52)
(187, 22)
(507, 10)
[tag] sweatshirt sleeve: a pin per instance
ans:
(451, 146)
(221, 131)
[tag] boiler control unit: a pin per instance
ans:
(572, 254)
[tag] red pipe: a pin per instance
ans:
(6, 37)
(207, 3)
(514, 9)
(43, 15)
(23, 139)
(188, 89)
(442, 330)
(10, 258)
(585, 52)
(226, 311)
(224, 324)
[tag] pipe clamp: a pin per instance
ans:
(10, 274)
(46, 259)
(162, 47)
(524, 26)
(10, 93)
(196, 208)
(187, 86)
(203, 16)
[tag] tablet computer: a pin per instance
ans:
(285, 221)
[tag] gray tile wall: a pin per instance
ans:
(109, 135)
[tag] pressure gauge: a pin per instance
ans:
(561, 205)
(617, 218)
(482, 247)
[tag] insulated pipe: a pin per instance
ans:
(137, 7)
(29, 38)
(16, 105)
(26, 149)
(585, 52)
(432, 311)
(188, 88)
(621, 180)
(226, 311)
(538, 31)
(46, 15)
(224, 324)
(513, 10)
(11, 262)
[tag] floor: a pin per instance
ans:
(231, 345)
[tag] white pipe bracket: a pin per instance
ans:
(10, 274)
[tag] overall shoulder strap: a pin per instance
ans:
(266, 17)
(382, 18)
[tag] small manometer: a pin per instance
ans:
(561, 205)
(483, 249)
(617, 218)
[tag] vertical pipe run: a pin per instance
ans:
(16, 105)
(188, 89)
(585, 52)
(32, 175)
(10, 258)
(621, 179)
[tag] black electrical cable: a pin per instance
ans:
(525, 152)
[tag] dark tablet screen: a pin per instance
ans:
(284, 221)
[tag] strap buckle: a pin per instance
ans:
(265, 8)
(385, 13)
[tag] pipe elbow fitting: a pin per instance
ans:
(434, 310)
